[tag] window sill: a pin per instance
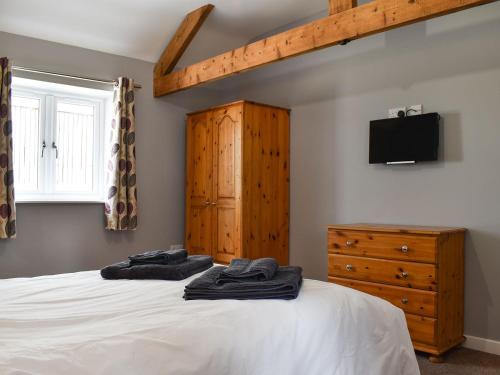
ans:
(60, 200)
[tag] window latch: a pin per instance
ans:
(54, 146)
(44, 145)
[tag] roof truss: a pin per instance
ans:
(346, 23)
(181, 40)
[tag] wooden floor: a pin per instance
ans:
(462, 361)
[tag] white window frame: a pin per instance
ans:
(47, 192)
(41, 134)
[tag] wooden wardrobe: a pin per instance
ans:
(237, 182)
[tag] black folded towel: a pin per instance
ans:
(285, 285)
(159, 257)
(124, 270)
(243, 270)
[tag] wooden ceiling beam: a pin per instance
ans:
(181, 40)
(374, 17)
(337, 6)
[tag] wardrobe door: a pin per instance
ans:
(226, 205)
(199, 184)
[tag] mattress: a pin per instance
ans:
(79, 323)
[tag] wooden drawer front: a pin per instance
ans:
(406, 274)
(422, 329)
(410, 300)
(383, 245)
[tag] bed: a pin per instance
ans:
(79, 323)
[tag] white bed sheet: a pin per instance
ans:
(80, 324)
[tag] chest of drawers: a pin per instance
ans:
(418, 269)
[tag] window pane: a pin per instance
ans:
(75, 143)
(26, 138)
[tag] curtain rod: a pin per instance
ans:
(88, 79)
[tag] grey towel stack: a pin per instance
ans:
(159, 257)
(158, 265)
(244, 270)
(245, 279)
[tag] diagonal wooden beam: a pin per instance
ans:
(181, 40)
(337, 6)
(367, 19)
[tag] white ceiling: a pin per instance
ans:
(141, 29)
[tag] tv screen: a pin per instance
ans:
(404, 140)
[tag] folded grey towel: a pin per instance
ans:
(124, 270)
(242, 270)
(159, 257)
(285, 285)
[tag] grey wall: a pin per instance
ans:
(58, 238)
(450, 65)
(332, 181)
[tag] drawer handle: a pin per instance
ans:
(404, 275)
(404, 249)
(349, 267)
(349, 243)
(404, 301)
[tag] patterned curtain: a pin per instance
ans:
(120, 208)
(7, 203)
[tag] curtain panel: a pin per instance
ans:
(120, 208)
(7, 203)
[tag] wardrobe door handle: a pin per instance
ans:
(206, 203)
(404, 275)
(404, 301)
(349, 267)
(349, 243)
(213, 203)
(404, 249)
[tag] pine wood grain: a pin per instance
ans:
(419, 275)
(337, 6)
(199, 155)
(398, 229)
(181, 40)
(415, 248)
(373, 17)
(435, 324)
(266, 181)
(451, 290)
(226, 169)
(409, 300)
(422, 329)
(249, 176)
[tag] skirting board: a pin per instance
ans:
(483, 345)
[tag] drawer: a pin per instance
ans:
(405, 274)
(422, 329)
(408, 247)
(409, 300)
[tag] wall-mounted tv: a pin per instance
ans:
(408, 139)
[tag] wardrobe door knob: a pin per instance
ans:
(404, 275)
(404, 301)
(404, 249)
(349, 267)
(349, 243)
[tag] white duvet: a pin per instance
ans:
(80, 324)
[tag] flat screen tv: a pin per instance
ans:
(409, 139)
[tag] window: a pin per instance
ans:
(58, 136)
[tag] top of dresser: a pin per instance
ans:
(390, 228)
